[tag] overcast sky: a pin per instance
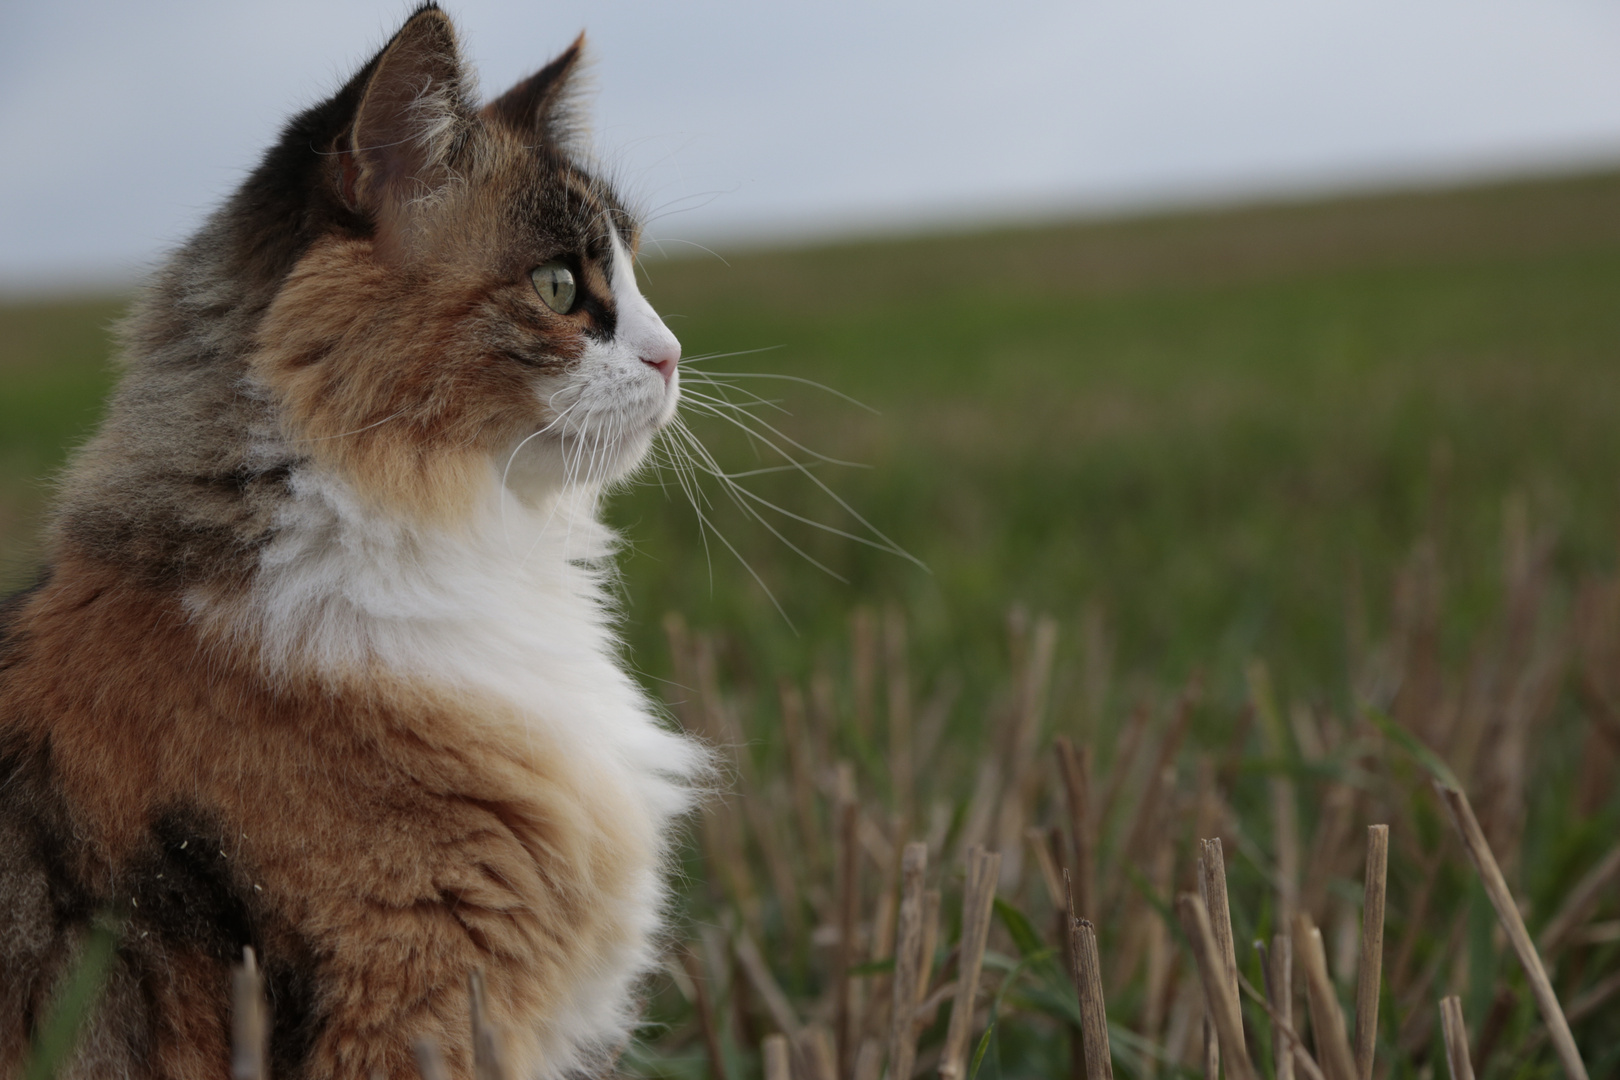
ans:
(124, 123)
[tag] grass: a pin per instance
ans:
(1298, 468)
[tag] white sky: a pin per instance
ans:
(124, 123)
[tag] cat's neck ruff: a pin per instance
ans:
(513, 610)
(514, 603)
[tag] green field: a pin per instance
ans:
(1372, 443)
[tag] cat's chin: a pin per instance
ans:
(542, 469)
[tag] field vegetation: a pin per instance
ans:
(1245, 525)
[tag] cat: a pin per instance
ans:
(323, 661)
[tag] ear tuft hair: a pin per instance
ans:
(412, 118)
(545, 104)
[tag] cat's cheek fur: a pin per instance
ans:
(618, 398)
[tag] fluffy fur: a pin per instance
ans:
(323, 661)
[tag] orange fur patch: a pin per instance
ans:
(390, 390)
(408, 837)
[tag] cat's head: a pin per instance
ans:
(458, 298)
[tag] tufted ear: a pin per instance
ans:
(542, 104)
(412, 118)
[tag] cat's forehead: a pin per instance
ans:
(548, 198)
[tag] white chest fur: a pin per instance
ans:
(514, 607)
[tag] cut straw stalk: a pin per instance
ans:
(1075, 767)
(250, 1020)
(1277, 966)
(813, 1051)
(1212, 880)
(1212, 884)
(1033, 654)
(802, 766)
(1287, 1039)
(705, 1011)
(1456, 1036)
(778, 1059)
(908, 960)
(1371, 967)
(1093, 1012)
(1284, 805)
(430, 1060)
(869, 1061)
(978, 900)
(1582, 898)
(486, 1044)
(849, 900)
(1327, 1022)
(765, 984)
(1220, 992)
(901, 759)
(1507, 910)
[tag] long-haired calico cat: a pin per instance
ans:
(322, 662)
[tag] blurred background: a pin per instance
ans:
(1280, 332)
(128, 123)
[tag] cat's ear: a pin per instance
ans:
(543, 104)
(412, 117)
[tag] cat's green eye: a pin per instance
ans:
(555, 284)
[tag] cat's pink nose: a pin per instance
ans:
(664, 357)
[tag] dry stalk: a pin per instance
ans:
(901, 762)
(1212, 883)
(1034, 680)
(1284, 804)
(869, 1061)
(1456, 1036)
(1220, 989)
(1507, 910)
(705, 1010)
(485, 1043)
(1332, 835)
(778, 1059)
(250, 1020)
(1327, 1021)
(1139, 921)
(1595, 998)
(1588, 1003)
(430, 1060)
(849, 901)
(978, 900)
(908, 960)
(813, 1050)
(880, 986)
(1370, 970)
(1277, 965)
(1074, 765)
(765, 984)
(1093, 1012)
(1159, 956)
(802, 767)
(932, 899)
(1149, 807)
(1580, 902)
(1184, 1015)
(1287, 1041)
(982, 806)
(1040, 842)
(761, 812)
(1122, 766)
(863, 646)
